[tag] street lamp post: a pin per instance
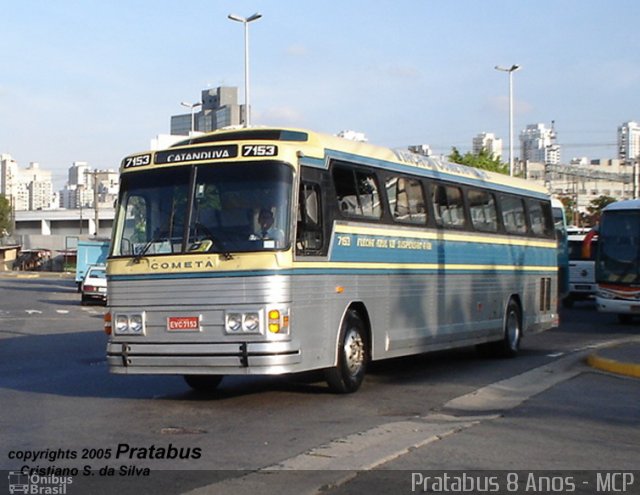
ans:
(245, 21)
(510, 70)
(192, 106)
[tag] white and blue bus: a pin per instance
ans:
(270, 251)
(618, 260)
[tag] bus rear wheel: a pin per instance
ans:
(203, 383)
(509, 346)
(353, 355)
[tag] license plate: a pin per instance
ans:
(183, 323)
(635, 308)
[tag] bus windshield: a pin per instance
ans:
(619, 247)
(217, 209)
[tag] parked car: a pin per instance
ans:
(582, 278)
(94, 285)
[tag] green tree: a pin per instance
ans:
(570, 209)
(5, 215)
(483, 160)
(596, 206)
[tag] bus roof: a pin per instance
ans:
(315, 147)
(629, 204)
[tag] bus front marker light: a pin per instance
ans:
(278, 321)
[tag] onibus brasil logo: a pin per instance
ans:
(21, 482)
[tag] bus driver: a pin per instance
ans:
(266, 228)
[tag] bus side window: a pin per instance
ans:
(309, 238)
(357, 192)
(513, 215)
(448, 206)
(406, 200)
(482, 207)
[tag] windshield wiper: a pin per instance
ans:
(140, 254)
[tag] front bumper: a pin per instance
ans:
(237, 358)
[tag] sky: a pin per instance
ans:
(89, 80)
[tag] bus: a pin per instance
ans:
(380, 253)
(618, 260)
(582, 271)
(560, 222)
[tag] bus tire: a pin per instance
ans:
(203, 383)
(509, 345)
(353, 355)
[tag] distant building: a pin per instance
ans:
(489, 142)
(629, 142)
(219, 108)
(421, 149)
(353, 136)
(80, 191)
(28, 189)
(538, 144)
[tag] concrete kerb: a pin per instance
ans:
(30, 274)
(621, 358)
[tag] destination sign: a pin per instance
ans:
(196, 154)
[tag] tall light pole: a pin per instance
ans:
(510, 70)
(192, 106)
(246, 21)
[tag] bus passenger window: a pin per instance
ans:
(513, 215)
(357, 192)
(540, 219)
(448, 206)
(482, 207)
(406, 200)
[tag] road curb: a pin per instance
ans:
(613, 366)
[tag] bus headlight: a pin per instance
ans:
(129, 324)
(243, 322)
(251, 322)
(233, 322)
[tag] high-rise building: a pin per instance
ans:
(219, 108)
(29, 189)
(629, 142)
(39, 185)
(489, 142)
(538, 144)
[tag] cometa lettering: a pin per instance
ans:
(179, 265)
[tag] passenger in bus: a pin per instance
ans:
(267, 229)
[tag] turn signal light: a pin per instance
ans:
(107, 323)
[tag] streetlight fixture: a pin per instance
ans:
(192, 106)
(510, 70)
(246, 21)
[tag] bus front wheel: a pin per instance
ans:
(353, 355)
(203, 383)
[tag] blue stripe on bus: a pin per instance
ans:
(377, 249)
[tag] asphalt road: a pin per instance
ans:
(449, 410)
